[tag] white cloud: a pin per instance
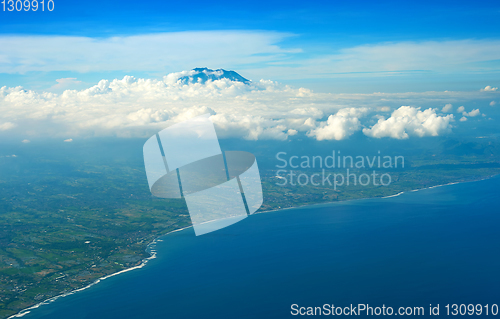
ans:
(139, 107)
(460, 109)
(447, 108)
(7, 126)
(463, 119)
(384, 109)
(131, 107)
(339, 126)
(158, 52)
(25, 141)
(165, 52)
(489, 89)
(410, 121)
(69, 140)
(472, 113)
(250, 127)
(425, 55)
(492, 103)
(65, 83)
(393, 58)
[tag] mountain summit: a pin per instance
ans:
(202, 75)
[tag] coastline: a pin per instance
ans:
(389, 196)
(26, 311)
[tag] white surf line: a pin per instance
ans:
(441, 185)
(48, 301)
(419, 189)
(153, 256)
(394, 195)
(26, 311)
(354, 199)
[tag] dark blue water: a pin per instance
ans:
(439, 245)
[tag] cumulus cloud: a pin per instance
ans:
(463, 119)
(472, 113)
(340, 125)
(25, 141)
(139, 107)
(460, 109)
(69, 140)
(489, 89)
(250, 127)
(447, 108)
(264, 109)
(492, 103)
(410, 121)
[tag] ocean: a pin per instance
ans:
(419, 249)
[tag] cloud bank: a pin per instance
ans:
(264, 109)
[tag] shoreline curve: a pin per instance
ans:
(26, 311)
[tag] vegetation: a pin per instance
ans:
(70, 216)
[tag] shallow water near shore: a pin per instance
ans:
(433, 246)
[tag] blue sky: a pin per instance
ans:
(325, 70)
(308, 32)
(318, 21)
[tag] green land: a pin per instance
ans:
(65, 222)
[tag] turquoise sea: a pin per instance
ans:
(432, 246)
